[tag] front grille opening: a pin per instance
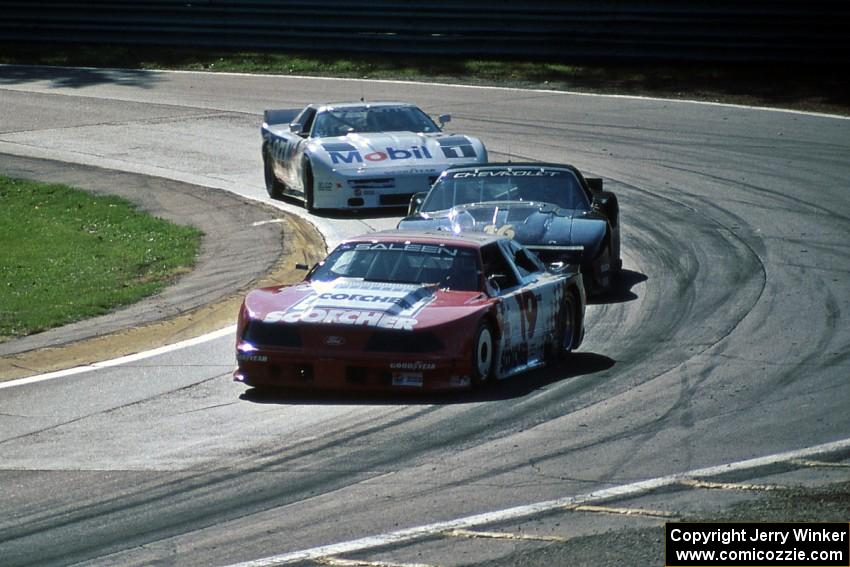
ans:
(389, 341)
(271, 334)
(372, 183)
(396, 200)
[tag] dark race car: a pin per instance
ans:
(411, 311)
(551, 209)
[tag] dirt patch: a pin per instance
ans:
(236, 255)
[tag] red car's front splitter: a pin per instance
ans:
(338, 375)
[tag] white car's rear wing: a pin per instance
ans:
(283, 116)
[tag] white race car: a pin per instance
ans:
(359, 155)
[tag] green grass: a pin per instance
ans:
(67, 255)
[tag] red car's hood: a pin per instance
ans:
(363, 304)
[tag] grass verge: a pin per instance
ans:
(788, 86)
(68, 255)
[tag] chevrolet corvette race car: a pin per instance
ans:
(356, 155)
(411, 311)
(551, 209)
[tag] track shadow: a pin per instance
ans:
(577, 364)
(381, 213)
(622, 290)
(66, 77)
(346, 214)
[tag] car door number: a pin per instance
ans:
(527, 302)
(517, 349)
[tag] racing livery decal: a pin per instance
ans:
(341, 152)
(372, 304)
(506, 173)
(455, 147)
(408, 247)
(517, 350)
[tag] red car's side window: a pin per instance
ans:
(497, 270)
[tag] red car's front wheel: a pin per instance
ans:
(483, 355)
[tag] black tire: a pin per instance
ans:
(483, 354)
(569, 322)
(616, 270)
(603, 282)
(308, 186)
(273, 187)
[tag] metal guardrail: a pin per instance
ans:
(704, 30)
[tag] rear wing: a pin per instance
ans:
(283, 116)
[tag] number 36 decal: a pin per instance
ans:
(504, 230)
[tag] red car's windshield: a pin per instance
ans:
(449, 267)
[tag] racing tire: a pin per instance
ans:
(567, 338)
(483, 354)
(604, 280)
(308, 187)
(273, 187)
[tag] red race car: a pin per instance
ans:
(411, 311)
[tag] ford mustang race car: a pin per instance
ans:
(551, 209)
(356, 155)
(411, 311)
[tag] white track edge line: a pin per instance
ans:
(634, 489)
(121, 360)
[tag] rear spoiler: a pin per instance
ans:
(283, 116)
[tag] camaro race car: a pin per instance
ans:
(551, 209)
(356, 155)
(411, 311)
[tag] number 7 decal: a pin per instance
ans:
(527, 302)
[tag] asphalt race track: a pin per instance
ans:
(729, 339)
